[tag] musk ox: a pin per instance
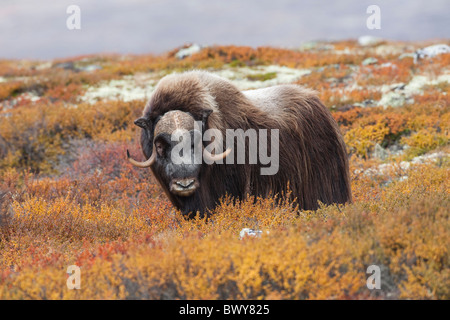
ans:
(304, 139)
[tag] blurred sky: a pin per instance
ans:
(37, 28)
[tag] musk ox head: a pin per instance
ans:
(177, 151)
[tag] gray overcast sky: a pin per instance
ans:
(37, 28)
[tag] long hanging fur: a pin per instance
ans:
(312, 154)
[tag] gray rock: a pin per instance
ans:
(369, 61)
(366, 103)
(247, 232)
(367, 41)
(65, 65)
(392, 99)
(91, 67)
(406, 55)
(380, 153)
(186, 52)
(431, 51)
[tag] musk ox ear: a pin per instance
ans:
(205, 115)
(142, 122)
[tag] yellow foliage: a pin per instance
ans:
(363, 139)
(425, 140)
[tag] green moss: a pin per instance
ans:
(262, 76)
(237, 63)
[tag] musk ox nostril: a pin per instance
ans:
(185, 183)
(184, 187)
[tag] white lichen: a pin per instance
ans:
(240, 76)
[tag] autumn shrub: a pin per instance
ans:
(361, 140)
(68, 93)
(37, 137)
(379, 75)
(326, 77)
(10, 89)
(312, 255)
(424, 140)
(243, 55)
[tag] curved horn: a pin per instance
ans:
(215, 157)
(144, 164)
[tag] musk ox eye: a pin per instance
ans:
(159, 148)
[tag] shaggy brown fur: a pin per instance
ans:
(312, 153)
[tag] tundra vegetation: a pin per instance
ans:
(69, 197)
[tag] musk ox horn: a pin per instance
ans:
(144, 164)
(215, 157)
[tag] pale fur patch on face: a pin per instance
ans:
(174, 120)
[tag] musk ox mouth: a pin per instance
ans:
(184, 187)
